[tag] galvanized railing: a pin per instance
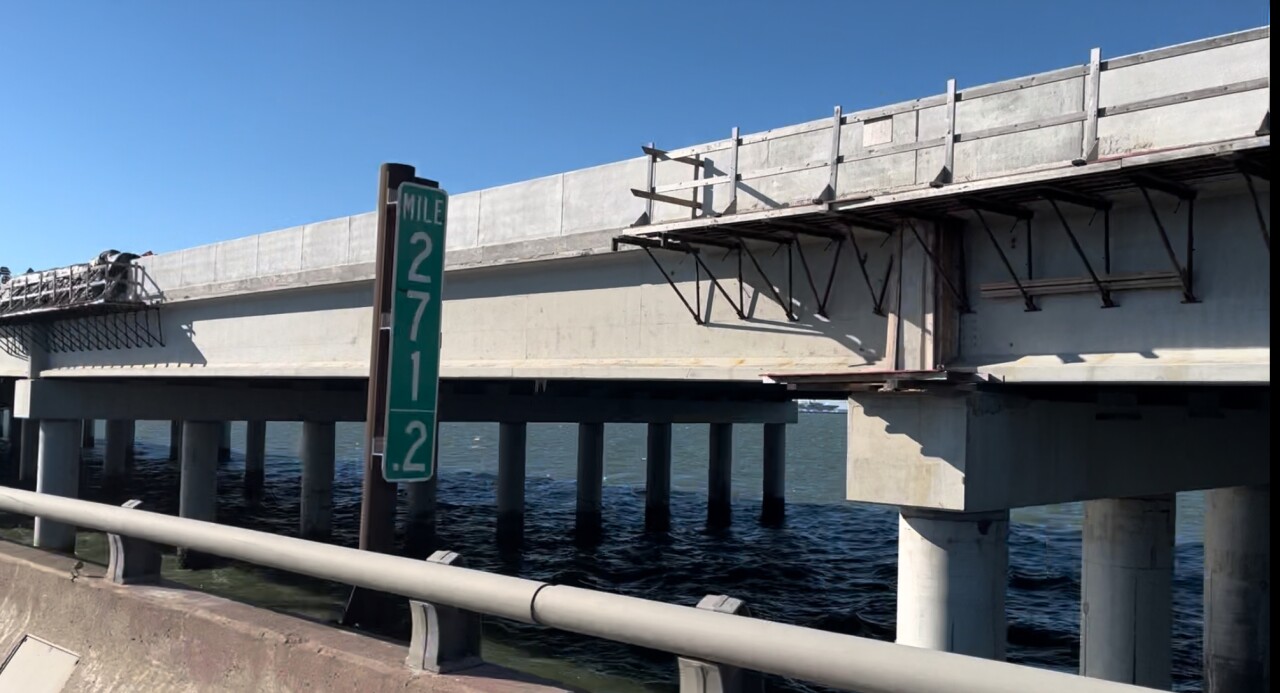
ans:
(715, 638)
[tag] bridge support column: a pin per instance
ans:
(773, 507)
(87, 430)
(657, 489)
(1237, 589)
(255, 455)
(511, 472)
(1126, 607)
(119, 443)
(590, 480)
(198, 495)
(28, 450)
(720, 476)
(317, 479)
(420, 534)
(175, 440)
(224, 441)
(58, 475)
(952, 570)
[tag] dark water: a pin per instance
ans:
(833, 566)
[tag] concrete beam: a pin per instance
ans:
(142, 400)
(986, 451)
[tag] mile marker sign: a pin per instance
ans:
(413, 369)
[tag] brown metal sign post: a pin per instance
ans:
(378, 496)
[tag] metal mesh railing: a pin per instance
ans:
(111, 278)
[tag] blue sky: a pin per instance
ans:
(161, 125)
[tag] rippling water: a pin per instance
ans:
(833, 566)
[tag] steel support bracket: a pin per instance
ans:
(698, 676)
(1027, 300)
(1186, 194)
(877, 299)
(445, 638)
(132, 561)
(1103, 292)
(665, 242)
(1247, 169)
(784, 304)
(961, 300)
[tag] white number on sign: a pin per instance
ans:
(423, 298)
(416, 357)
(414, 276)
(419, 429)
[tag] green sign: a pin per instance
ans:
(413, 371)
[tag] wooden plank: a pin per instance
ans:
(833, 159)
(1186, 97)
(1083, 285)
(1038, 80)
(896, 109)
(732, 206)
(888, 149)
(1187, 48)
(946, 175)
(1092, 91)
(664, 198)
(1048, 122)
(668, 156)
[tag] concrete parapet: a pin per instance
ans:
(129, 643)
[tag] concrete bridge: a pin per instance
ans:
(1049, 289)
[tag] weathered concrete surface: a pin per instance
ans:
(163, 638)
(986, 451)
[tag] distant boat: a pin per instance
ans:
(810, 406)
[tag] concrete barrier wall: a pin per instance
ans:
(603, 317)
(166, 638)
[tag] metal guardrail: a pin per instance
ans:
(841, 661)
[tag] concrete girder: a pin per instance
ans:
(987, 451)
(141, 400)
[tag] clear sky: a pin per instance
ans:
(148, 125)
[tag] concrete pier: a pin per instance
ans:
(224, 441)
(511, 472)
(59, 475)
(28, 450)
(115, 459)
(590, 480)
(1126, 608)
(255, 455)
(657, 488)
(773, 505)
(175, 440)
(952, 572)
(720, 476)
(318, 452)
(198, 494)
(1237, 589)
(87, 433)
